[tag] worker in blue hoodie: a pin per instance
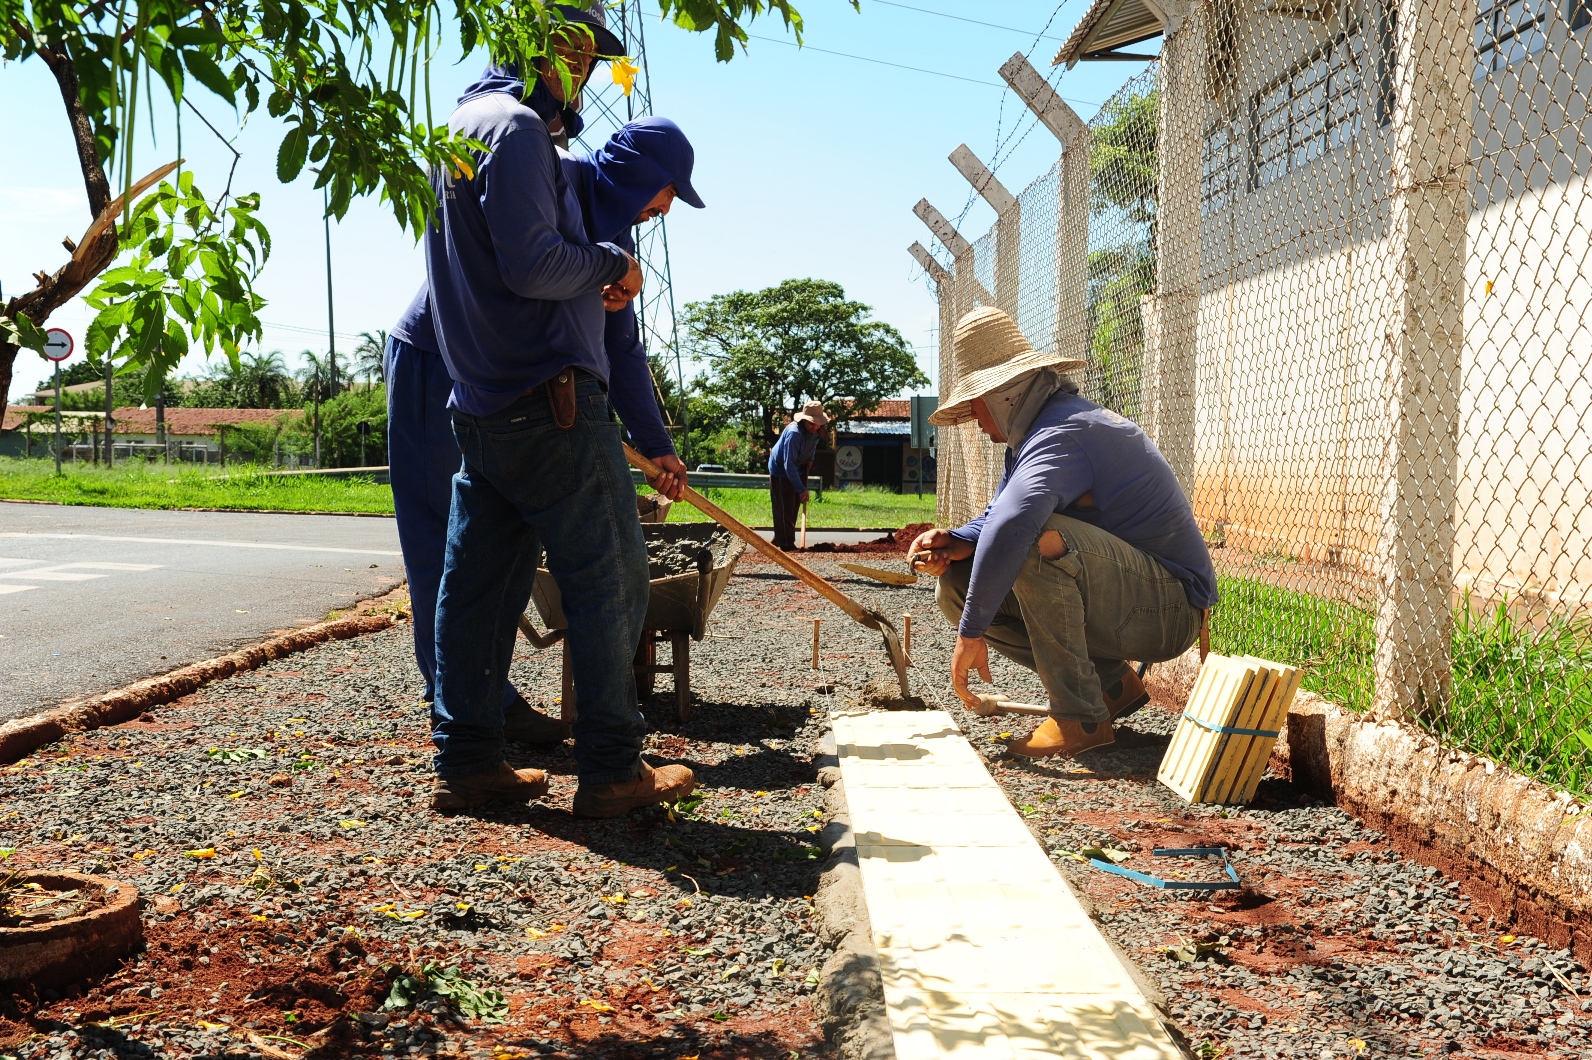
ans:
(633, 179)
(518, 296)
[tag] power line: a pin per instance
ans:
(959, 18)
(881, 62)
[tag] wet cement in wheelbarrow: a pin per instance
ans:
(665, 559)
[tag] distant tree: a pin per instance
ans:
(370, 356)
(768, 352)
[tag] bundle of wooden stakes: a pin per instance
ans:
(1228, 729)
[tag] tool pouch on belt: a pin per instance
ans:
(561, 396)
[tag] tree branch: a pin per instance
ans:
(93, 254)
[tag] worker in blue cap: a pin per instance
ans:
(633, 179)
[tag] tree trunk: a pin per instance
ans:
(55, 291)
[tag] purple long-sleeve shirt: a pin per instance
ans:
(1075, 447)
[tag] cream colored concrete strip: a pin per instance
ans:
(984, 950)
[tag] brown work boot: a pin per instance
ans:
(650, 786)
(1126, 696)
(1065, 738)
(503, 784)
(523, 723)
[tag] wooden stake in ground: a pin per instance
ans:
(817, 622)
(906, 635)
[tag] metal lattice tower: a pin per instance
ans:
(605, 108)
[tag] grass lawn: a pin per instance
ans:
(1521, 691)
(135, 484)
(853, 507)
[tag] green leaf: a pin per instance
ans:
(1585, 737)
(20, 331)
(207, 74)
(291, 155)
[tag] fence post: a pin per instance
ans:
(961, 489)
(1072, 215)
(1423, 325)
(945, 298)
(1172, 313)
(1008, 226)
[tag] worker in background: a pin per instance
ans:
(636, 177)
(788, 467)
(518, 294)
(1087, 556)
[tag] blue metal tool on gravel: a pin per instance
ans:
(1230, 884)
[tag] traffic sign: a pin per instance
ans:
(58, 344)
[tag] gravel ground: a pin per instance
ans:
(276, 825)
(651, 937)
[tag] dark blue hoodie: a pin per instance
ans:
(614, 184)
(516, 285)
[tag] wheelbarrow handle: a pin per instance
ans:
(756, 540)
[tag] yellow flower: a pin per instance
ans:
(624, 71)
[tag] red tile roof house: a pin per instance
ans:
(192, 434)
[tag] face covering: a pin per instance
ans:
(505, 77)
(1016, 405)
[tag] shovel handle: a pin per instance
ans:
(755, 539)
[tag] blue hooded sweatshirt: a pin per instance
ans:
(614, 184)
(516, 286)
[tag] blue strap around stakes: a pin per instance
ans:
(1232, 730)
(1179, 885)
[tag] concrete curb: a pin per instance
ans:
(850, 995)
(1515, 844)
(25, 735)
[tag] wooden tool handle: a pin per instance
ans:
(755, 539)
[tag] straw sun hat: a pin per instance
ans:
(989, 351)
(813, 413)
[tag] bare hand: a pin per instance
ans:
(970, 653)
(935, 550)
(804, 496)
(672, 482)
(617, 294)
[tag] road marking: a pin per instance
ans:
(65, 572)
(205, 541)
(4, 589)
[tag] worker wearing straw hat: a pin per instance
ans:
(1087, 556)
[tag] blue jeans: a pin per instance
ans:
(527, 486)
(422, 458)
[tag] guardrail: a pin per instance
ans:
(724, 480)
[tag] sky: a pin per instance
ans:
(809, 162)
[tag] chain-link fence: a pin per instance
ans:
(1337, 264)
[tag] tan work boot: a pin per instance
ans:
(1066, 738)
(503, 784)
(523, 723)
(1127, 696)
(649, 787)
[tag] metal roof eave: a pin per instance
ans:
(1109, 25)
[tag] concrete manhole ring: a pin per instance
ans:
(53, 954)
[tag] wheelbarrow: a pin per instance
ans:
(677, 613)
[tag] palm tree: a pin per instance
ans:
(264, 381)
(370, 356)
(316, 376)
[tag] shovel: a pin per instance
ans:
(865, 615)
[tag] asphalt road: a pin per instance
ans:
(92, 599)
